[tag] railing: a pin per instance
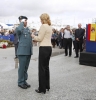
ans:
(9, 37)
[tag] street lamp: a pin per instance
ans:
(95, 21)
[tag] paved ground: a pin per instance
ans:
(69, 80)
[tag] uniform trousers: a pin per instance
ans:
(44, 74)
(24, 61)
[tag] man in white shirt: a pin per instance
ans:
(68, 40)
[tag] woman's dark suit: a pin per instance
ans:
(45, 50)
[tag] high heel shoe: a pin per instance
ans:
(47, 89)
(39, 91)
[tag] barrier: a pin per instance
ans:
(89, 56)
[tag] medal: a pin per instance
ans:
(25, 34)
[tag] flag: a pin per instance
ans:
(91, 32)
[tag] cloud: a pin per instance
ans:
(65, 9)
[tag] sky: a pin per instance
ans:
(65, 12)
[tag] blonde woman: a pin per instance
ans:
(45, 49)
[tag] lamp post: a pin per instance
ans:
(95, 21)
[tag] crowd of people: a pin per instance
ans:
(47, 37)
(63, 38)
(7, 35)
(6, 32)
(67, 36)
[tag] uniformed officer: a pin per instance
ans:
(24, 51)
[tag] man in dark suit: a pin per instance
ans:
(24, 51)
(16, 41)
(61, 38)
(79, 34)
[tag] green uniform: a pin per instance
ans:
(24, 52)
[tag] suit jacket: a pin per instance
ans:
(60, 36)
(15, 37)
(25, 41)
(54, 36)
(79, 33)
(44, 35)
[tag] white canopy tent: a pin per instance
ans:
(4, 26)
(34, 26)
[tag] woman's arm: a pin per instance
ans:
(41, 34)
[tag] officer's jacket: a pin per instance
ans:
(25, 40)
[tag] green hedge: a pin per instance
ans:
(9, 42)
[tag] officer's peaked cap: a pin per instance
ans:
(22, 17)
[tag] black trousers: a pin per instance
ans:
(78, 45)
(68, 45)
(44, 74)
(73, 44)
(61, 43)
(57, 42)
(16, 46)
(53, 42)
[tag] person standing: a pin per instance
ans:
(45, 50)
(24, 51)
(61, 38)
(79, 34)
(53, 39)
(16, 41)
(73, 38)
(68, 40)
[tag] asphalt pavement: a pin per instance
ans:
(68, 79)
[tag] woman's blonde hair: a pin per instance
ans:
(45, 18)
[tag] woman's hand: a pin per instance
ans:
(32, 36)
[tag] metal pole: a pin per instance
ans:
(16, 62)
